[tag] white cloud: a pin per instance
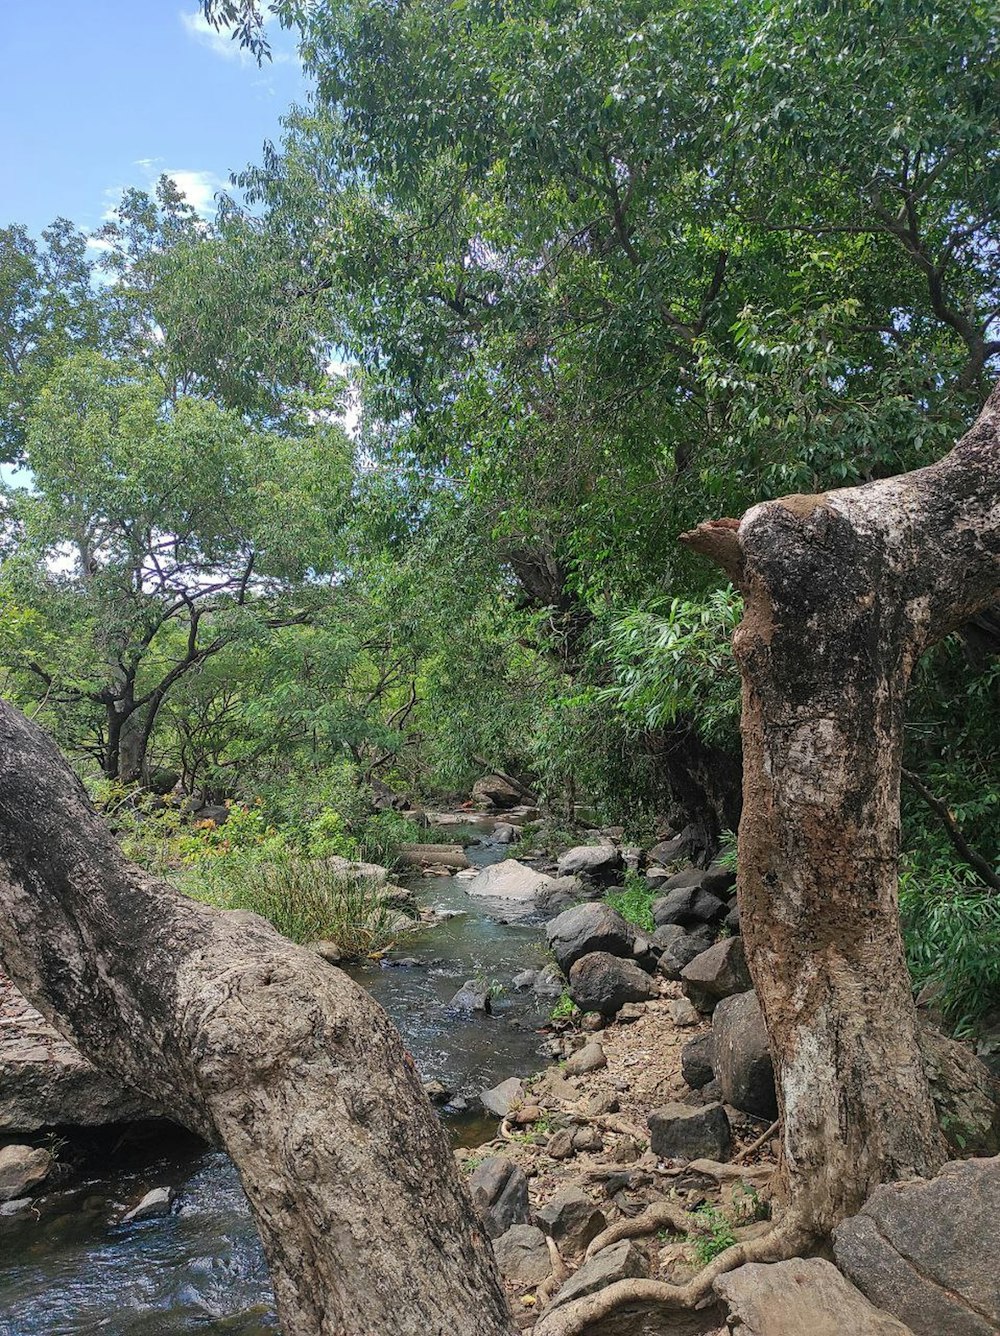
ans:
(198, 188)
(220, 40)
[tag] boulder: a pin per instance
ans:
(22, 1169)
(563, 893)
(432, 855)
(493, 792)
(678, 947)
(622, 1261)
(560, 1144)
(600, 862)
(590, 1058)
(548, 982)
(510, 881)
(153, 1206)
(588, 1139)
(690, 1132)
(690, 906)
(504, 833)
(44, 1081)
(672, 850)
(926, 1250)
(571, 1219)
(499, 1192)
(474, 995)
(349, 867)
(586, 928)
(502, 1098)
(964, 1093)
(604, 983)
(718, 972)
(523, 1256)
(742, 1058)
(800, 1297)
(698, 1061)
(682, 1013)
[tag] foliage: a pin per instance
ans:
(714, 1233)
(565, 1008)
(634, 901)
(305, 899)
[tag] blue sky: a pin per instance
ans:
(101, 94)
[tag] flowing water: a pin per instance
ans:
(72, 1269)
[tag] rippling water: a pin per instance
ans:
(75, 1270)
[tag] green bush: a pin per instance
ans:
(305, 899)
(634, 902)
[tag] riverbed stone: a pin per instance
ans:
(621, 1261)
(742, 1056)
(45, 1082)
(718, 972)
(604, 983)
(22, 1169)
(689, 906)
(549, 982)
(494, 793)
(572, 1219)
(451, 856)
(504, 833)
(590, 1058)
(600, 862)
(678, 946)
(800, 1297)
(510, 881)
(503, 1098)
(926, 1250)
(523, 1256)
(592, 927)
(563, 893)
(499, 1191)
(154, 1205)
(690, 1132)
(473, 996)
(698, 1060)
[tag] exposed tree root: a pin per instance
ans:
(661, 1215)
(780, 1243)
(560, 1272)
(747, 1151)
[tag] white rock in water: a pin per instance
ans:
(155, 1204)
(509, 880)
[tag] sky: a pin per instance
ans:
(98, 95)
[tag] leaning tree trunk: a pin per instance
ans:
(843, 592)
(256, 1044)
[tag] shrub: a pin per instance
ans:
(634, 902)
(303, 898)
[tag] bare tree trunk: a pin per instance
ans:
(844, 591)
(256, 1044)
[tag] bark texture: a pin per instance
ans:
(258, 1045)
(843, 592)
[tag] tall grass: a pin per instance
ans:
(304, 898)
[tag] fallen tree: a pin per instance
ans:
(843, 592)
(259, 1046)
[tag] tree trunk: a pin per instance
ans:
(843, 592)
(256, 1044)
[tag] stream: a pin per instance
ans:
(75, 1269)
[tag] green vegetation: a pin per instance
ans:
(714, 1233)
(565, 1008)
(571, 336)
(634, 901)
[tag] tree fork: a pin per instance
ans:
(256, 1044)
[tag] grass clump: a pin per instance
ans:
(565, 1009)
(304, 898)
(715, 1234)
(634, 902)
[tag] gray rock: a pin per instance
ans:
(15, 1207)
(504, 833)
(743, 1056)
(523, 1256)
(433, 855)
(689, 906)
(572, 1220)
(590, 1058)
(437, 1092)
(155, 1204)
(44, 1081)
(499, 1192)
(604, 983)
(522, 982)
(22, 1168)
(502, 1098)
(686, 1132)
(926, 1250)
(678, 947)
(718, 972)
(328, 950)
(560, 1144)
(563, 893)
(622, 1261)
(698, 1061)
(474, 995)
(682, 1013)
(672, 850)
(510, 881)
(600, 862)
(732, 920)
(588, 1139)
(964, 1093)
(495, 792)
(800, 1298)
(586, 928)
(549, 982)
